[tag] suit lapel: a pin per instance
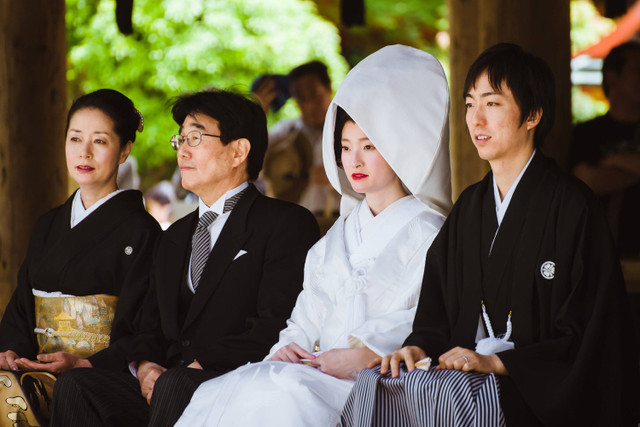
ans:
(175, 253)
(231, 240)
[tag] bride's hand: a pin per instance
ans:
(292, 353)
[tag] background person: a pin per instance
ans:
(293, 165)
(605, 151)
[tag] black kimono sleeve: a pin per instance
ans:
(584, 368)
(431, 326)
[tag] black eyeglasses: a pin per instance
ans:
(193, 139)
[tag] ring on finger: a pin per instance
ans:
(466, 359)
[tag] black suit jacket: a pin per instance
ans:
(242, 301)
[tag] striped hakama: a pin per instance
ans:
(423, 399)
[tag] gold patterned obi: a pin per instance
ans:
(77, 325)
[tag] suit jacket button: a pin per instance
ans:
(185, 343)
(181, 362)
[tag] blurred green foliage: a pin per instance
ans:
(585, 107)
(186, 45)
(587, 28)
(416, 23)
(587, 25)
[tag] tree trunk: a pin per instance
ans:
(33, 176)
(541, 27)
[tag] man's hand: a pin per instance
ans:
(148, 373)
(343, 362)
(195, 365)
(409, 355)
(56, 363)
(463, 359)
(292, 353)
(7, 360)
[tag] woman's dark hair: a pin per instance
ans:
(341, 119)
(528, 77)
(237, 116)
(126, 119)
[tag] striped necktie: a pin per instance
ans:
(201, 241)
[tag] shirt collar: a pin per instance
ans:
(218, 206)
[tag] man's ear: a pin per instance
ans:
(534, 119)
(124, 152)
(241, 148)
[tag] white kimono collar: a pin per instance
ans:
(367, 236)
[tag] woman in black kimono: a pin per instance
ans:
(87, 257)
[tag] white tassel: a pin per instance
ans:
(507, 334)
(491, 344)
(487, 322)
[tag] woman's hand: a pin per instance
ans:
(343, 362)
(56, 363)
(7, 360)
(409, 355)
(463, 359)
(292, 353)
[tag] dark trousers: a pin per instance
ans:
(172, 393)
(97, 397)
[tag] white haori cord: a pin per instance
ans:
(491, 344)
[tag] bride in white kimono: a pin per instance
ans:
(385, 148)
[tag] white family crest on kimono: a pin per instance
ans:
(362, 280)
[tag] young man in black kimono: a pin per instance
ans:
(530, 243)
(221, 290)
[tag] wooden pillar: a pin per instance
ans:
(540, 27)
(33, 175)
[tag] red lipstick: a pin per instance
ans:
(84, 168)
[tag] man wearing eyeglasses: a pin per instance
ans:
(224, 281)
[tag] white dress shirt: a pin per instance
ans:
(215, 228)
